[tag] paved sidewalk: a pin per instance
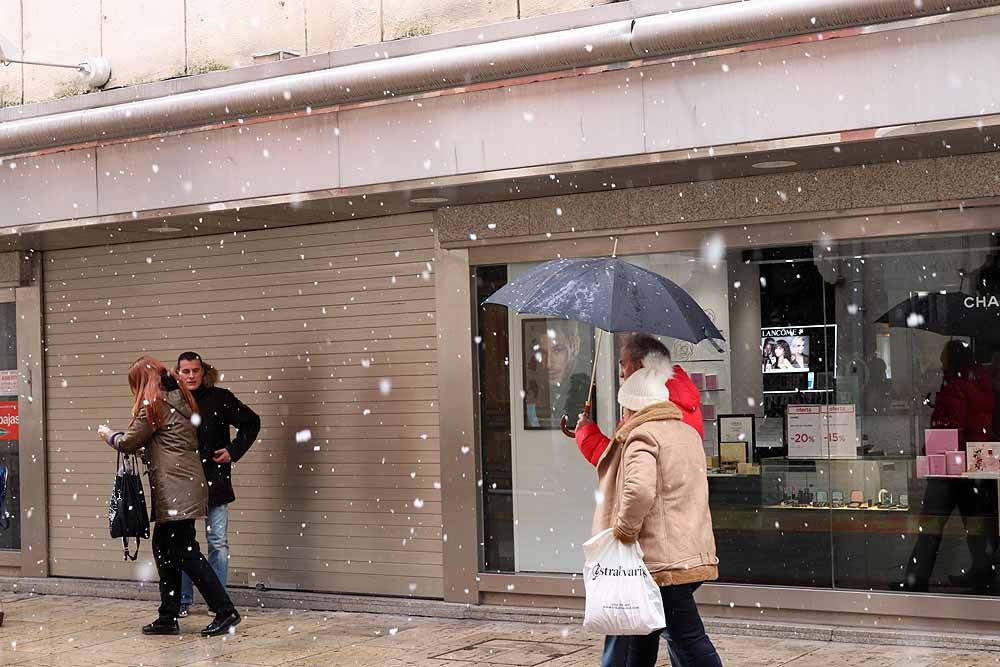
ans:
(61, 631)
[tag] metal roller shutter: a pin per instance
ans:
(327, 327)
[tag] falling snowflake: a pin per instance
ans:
(713, 250)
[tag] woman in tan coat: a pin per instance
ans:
(653, 481)
(161, 430)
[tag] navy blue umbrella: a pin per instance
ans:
(612, 295)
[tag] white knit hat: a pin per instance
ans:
(648, 385)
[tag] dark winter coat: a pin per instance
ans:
(176, 480)
(965, 402)
(219, 409)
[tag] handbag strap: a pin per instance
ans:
(127, 555)
(127, 463)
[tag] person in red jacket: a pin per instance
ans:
(965, 403)
(683, 394)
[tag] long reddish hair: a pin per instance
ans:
(147, 379)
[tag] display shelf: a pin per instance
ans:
(837, 509)
(966, 475)
(796, 483)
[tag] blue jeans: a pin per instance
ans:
(687, 641)
(216, 534)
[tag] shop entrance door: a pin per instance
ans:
(553, 485)
(10, 520)
(23, 534)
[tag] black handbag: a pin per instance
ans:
(127, 515)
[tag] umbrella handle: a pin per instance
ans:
(563, 423)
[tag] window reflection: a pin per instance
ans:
(871, 368)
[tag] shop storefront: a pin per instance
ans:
(812, 455)
(848, 339)
(331, 252)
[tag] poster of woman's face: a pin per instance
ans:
(784, 354)
(557, 364)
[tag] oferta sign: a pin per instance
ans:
(9, 420)
(8, 383)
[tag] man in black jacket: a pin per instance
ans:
(218, 409)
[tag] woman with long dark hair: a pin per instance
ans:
(768, 360)
(783, 355)
(162, 429)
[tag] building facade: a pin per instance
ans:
(325, 230)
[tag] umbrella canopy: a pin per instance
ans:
(949, 314)
(610, 294)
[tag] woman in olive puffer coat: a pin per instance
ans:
(162, 432)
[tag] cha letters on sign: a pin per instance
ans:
(8, 383)
(982, 301)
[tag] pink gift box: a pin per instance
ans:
(982, 456)
(937, 464)
(940, 441)
(708, 412)
(712, 381)
(922, 468)
(698, 379)
(955, 463)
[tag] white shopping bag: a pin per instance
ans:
(622, 598)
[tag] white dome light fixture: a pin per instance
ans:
(95, 71)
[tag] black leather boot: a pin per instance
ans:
(222, 624)
(162, 626)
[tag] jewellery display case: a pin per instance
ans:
(877, 484)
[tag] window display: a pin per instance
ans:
(557, 358)
(876, 431)
(983, 457)
(870, 485)
(785, 350)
